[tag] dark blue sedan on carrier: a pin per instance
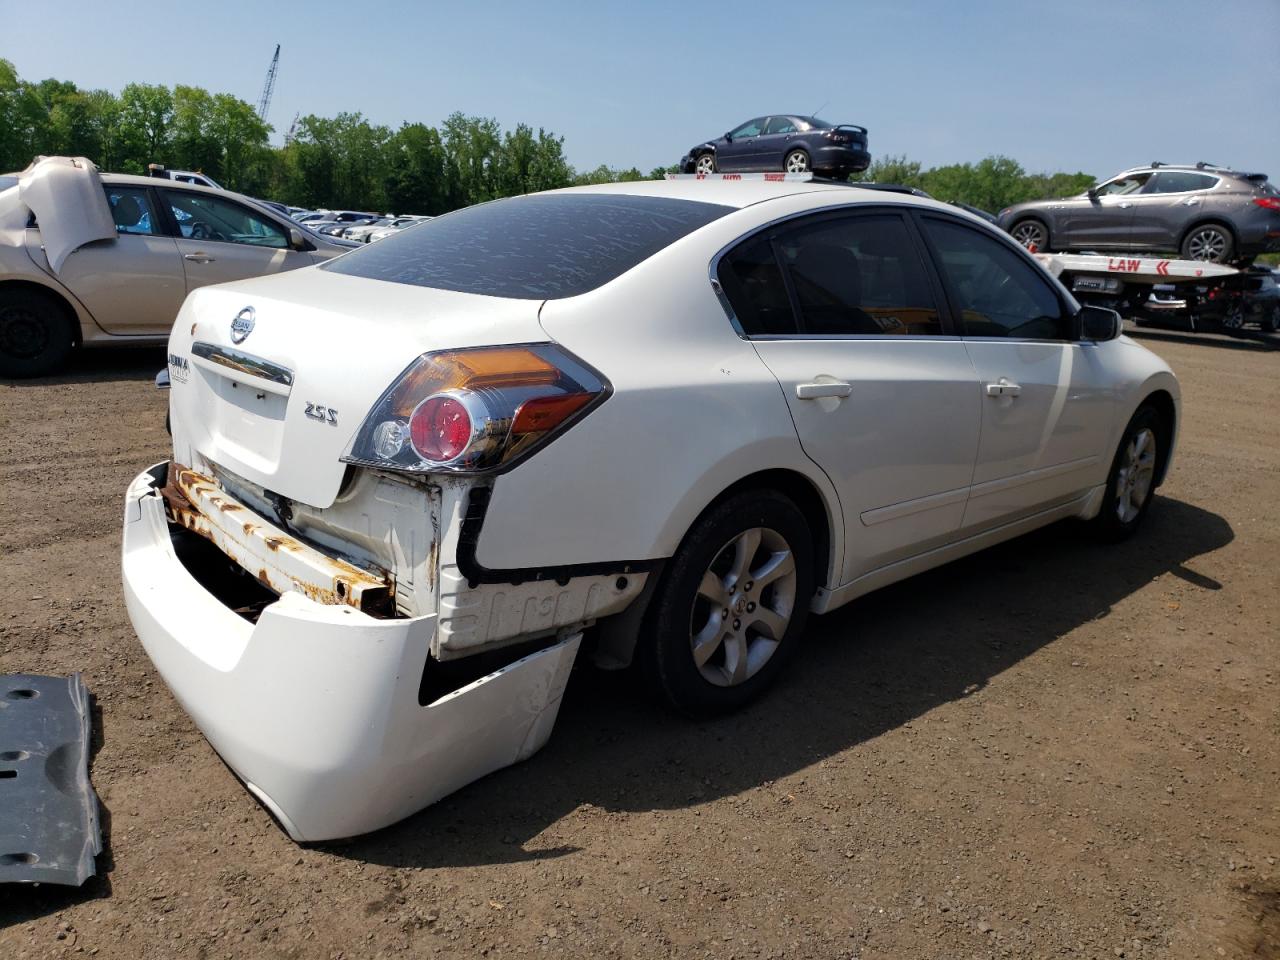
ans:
(786, 142)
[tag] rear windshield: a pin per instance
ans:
(531, 248)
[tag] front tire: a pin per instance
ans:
(1032, 234)
(706, 163)
(1131, 483)
(732, 605)
(35, 333)
(797, 161)
(1211, 242)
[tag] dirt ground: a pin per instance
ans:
(1052, 749)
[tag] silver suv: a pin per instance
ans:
(1204, 212)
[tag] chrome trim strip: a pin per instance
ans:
(245, 363)
(1000, 484)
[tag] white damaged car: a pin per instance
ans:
(672, 418)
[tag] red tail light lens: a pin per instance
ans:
(1270, 203)
(440, 428)
(471, 411)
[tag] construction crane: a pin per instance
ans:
(264, 101)
(293, 128)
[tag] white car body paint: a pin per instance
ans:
(918, 450)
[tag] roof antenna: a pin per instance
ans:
(820, 109)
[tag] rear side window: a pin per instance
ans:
(1176, 181)
(752, 280)
(131, 210)
(996, 292)
(535, 248)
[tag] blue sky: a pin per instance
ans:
(1074, 85)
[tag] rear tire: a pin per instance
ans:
(732, 605)
(1211, 242)
(36, 334)
(1131, 482)
(797, 161)
(1270, 321)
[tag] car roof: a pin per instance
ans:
(745, 193)
(1182, 168)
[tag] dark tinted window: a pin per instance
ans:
(780, 125)
(752, 281)
(537, 247)
(997, 292)
(1176, 181)
(859, 275)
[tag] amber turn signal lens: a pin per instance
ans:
(546, 413)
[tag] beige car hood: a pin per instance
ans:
(66, 195)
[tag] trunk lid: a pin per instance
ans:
(272, 377)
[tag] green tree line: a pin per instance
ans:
(346, 162)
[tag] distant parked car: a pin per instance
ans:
(90, 259)
(786, 142)
(360, 232)
(396, 225)
(1204, 212)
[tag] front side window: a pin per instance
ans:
(996, 292)
(541, 247)
(1121, 186)
(749, 129)
(848, 276)
(1177, 181)
(859, 275)
(131, 210)
(201, 216)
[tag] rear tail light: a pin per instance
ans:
(469, 411)
(1270, 203)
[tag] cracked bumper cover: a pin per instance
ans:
(316, 705)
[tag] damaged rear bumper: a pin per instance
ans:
(316, 705)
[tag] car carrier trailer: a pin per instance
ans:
(1148, 288)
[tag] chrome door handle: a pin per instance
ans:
(832, 388)
(1003, 388)
(1191, 202)
(1125, 205)
(198, 257)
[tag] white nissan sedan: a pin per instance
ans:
(672, 418)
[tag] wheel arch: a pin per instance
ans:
(1206, 221)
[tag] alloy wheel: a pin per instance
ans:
(1135, 476)
(1208, 243)
(797, 162)
(743, 607)
(706, 164)
(1031, 235)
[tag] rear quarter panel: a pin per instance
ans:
(693, 411)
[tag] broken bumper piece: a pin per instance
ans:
(49, 831)
(315, 706)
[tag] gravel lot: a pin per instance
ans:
(1052, 749)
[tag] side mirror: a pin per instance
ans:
(729, 137)
(1098, 324)
(1092, 193)
(296, 240)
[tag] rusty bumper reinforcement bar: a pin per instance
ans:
(281, 562)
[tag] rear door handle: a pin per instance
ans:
(1003, 388)
(1125, 205)
(832, 388)
(198, 257)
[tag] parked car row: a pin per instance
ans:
(91, 259)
